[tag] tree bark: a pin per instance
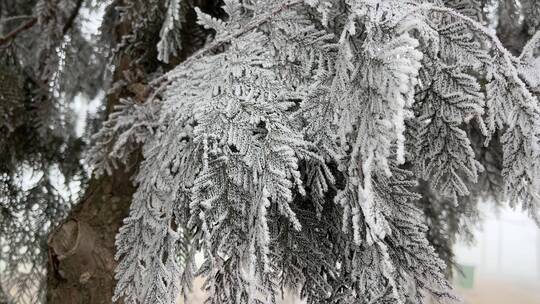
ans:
(81, 251)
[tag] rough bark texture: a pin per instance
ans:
(81, 251)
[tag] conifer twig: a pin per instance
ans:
(216, 44)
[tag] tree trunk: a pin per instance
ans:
(81, 251)
(81, 264)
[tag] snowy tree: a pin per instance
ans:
(335, 148)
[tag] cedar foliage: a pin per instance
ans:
(333, 147)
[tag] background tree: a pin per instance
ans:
(41, 51)
(333, 147)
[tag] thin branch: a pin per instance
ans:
(23, 27)
(10, 19)
(30, 23)
(247, 28)
(482, 29)
(218, 43)
(509, 59)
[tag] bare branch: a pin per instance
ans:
(11, 19)
(23, 27)
(30, 23)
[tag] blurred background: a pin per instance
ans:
(503, 265)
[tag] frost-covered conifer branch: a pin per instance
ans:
(168, 78)
(324, 146)
(289, 110)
